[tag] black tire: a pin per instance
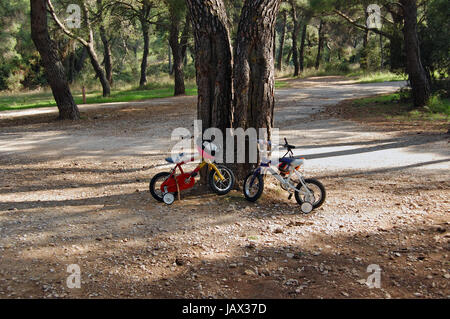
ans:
(230, 178)
(155, 179)
(260, 180)
(317, 203)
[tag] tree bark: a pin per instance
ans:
(98, 69)
(177, 53)
(363, 60)
(281, 45)
(319, 46)
(54, 69)
(288, 58)
(146, 37)
(213, 62)
(254, 74)
(295, 32)
(416, 72)
(185, 37)
(107, 56)
(302, 48)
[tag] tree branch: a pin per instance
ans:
(62, 27)
(360, 26)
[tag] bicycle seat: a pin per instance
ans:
(292, 161)
(175, 159)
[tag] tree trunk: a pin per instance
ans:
(169, 54)
(302, 48)
(213, 62)
(107, 56)
(177, 55)
(363, 60)
(319, 46)
(54, 69)
(145, 35)
(288, 58)
(71, 66)
(417, 76)
(79, 64)
(295, 31)
(254, 75)
(98, 70)
(185, 38)
(281, 45)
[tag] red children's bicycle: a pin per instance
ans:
(166, 185)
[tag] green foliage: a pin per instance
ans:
(36, 100)
(14, 42)
(342, 67)
(397, 106)
(437, 104)
(434, 35)
(379, 76)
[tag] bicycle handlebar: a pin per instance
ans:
(286, 145)
(183, 137)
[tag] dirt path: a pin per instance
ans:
(76, 193)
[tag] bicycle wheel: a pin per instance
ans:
(317, 190)
(218, 185)
(253, 187)
(155, 185)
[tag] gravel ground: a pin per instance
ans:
(76, 193)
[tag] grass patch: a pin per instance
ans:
(376, 77)
(29, 100)
(282, 85)
(439, 105)
(350, 71)
(45, 99)
(393, 107)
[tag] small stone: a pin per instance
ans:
(249, 272)
(179, 262)
(291, 282)
(447, 276)
(290, 255)
(278, 231)
(362, 281)
(233, 265)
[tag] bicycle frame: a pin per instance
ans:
(194, 173)
(263, 168)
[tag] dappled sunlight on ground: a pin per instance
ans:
(77, 193)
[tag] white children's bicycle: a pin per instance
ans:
(309, 193)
